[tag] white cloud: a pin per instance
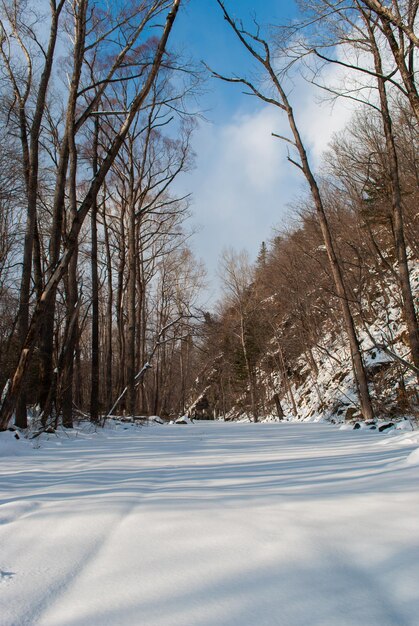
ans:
(248, 142)
(243, 181)
(241, 185)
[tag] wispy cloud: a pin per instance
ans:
(243, 182)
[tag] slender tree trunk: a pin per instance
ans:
(397, 211)
(67, 375)
(30, 151)
(94, 389)
(360, 376)
(283, 103)
(141, 332)
(78, 377)
(23, 314)
(47, 335)
(72, 298)
(157, 377)
(139, 348)
(120, 381)
(249, 371)
(132, 267)
(37, 263)
(109, 316)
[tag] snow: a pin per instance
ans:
(184, 419)
(212, 524)
(413, 458)
(157, 419)
(12, 444)
(328, 395)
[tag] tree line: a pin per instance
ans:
(96, 273)
(356, 243)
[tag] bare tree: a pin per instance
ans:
(236, 274)
(401, 15)
(13, 388)
(361, 29)
(259, 50)
(13, 25)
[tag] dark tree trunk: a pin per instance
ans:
(397, 211)
(109, 317)
(357, 363)
(278, 406)
(72, 298)
(94, 390)
(31, 166)
(131, 289)
(120, 380)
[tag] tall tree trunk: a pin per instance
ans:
(47, 334)
(139, 341)
(396, 203)
(264, 58)
(72, 298)
(141, 331)
(132, 267)
(23, 315)
(30, 151)
(360, 375)
(249, 371)
(120, 380)
(94, 389)
(109, 316)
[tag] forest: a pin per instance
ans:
(209, 300)
(100, 291)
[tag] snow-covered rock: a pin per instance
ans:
(183, 420)
(156, 419)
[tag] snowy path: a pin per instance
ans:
(212, 525)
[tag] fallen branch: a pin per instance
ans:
(396, 357)
(147, 365)
(386, 349)
(137, 379)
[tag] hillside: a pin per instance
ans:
(314, 381)
(331, 394)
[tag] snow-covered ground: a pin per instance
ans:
(210, 525)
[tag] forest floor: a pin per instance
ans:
(210, 524)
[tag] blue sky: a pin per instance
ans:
(242, 184)
(205, 35)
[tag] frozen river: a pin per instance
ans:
(211, 524)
